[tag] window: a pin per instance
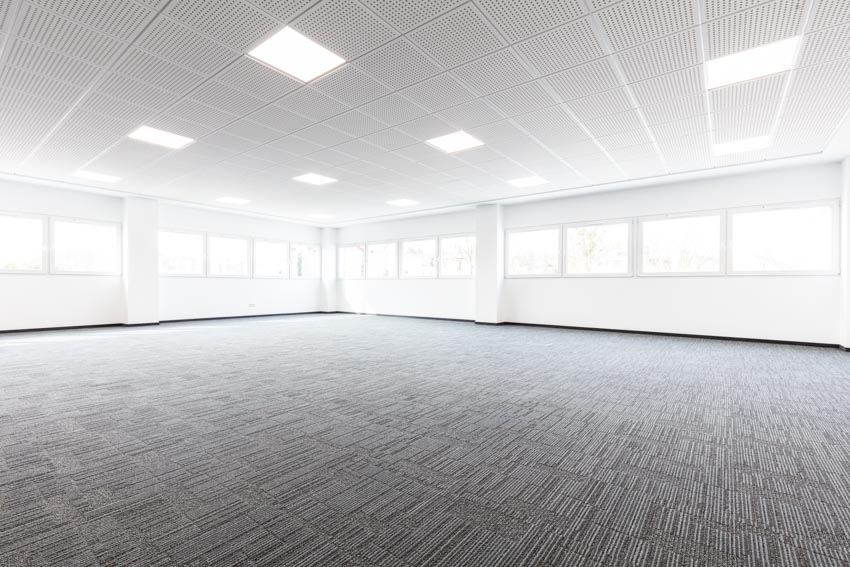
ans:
(785, 239)
(181, 253)
(227, 256)
(22, 244)
(382, 260)
(419, 258)
(306, 261)
(457, 256)
(534, 252)
(598, 249)
(86, 247)
(352, 262)
(681, 245)
(271, 259)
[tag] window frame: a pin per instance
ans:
(721, 213)
(400, 251)
(339, 260)
(45, 243)
(250, 259)
(440, 255)
(560, 255)
(203, 236)
(397, 260)
(254, 259)
(119, 241)
(630, 248)
(835, 210)
(292, 275)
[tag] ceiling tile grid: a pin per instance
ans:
(547, 85)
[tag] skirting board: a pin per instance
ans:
(407, 316)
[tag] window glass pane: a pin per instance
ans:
(457, 256)
(598, 249)
(86, 247)
(181, 253)
(271, 259)
(306, 261)
(681, 245)
(21, 243)
(783, 240)
(228, 256)
(419, 259)
(352, 262)
(382, 260)
(534, 252)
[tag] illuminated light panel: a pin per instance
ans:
(531, 181)
(402, 202)
(740, 146)
(95, 176)
(314, 179)
(296, 55)
(760, 61)
(160, 137)
(233, 201)
(455, 142)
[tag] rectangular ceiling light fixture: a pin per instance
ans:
(402, 202)
(95, 176)
(233, 201)
(740, 146)
(455, 142)
(532, 181)
(160, 137)
(296, 55)
(314, 179)
(760, 61)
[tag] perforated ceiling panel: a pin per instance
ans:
(439, 38)
(520, 19)
(345, 27)
(633, 22)
(561, 48)
(757, 26)
(578, 91)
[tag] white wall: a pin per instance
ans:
(195, 298)
(29, 301)
(794, 308)
(444, 298)
(32, 301)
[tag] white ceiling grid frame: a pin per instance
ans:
(118, 18)
(351, 85)
(607, 22)
(756, 26)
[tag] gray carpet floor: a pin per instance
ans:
(328, 440)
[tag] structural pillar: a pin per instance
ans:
(141, 261)
(489, 263)
(329, 282)
(844, 247)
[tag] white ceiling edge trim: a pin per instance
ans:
(4, 176)
(656, 181)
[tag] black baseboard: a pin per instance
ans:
(247, 316)
(494, 324)
(139, 324)
(679, 335)
(66, 328)
(407, 316)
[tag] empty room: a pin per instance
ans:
(424, 283)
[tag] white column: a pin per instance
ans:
(489, 263)
(844, 331)
(141, 263)
(329, 287)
